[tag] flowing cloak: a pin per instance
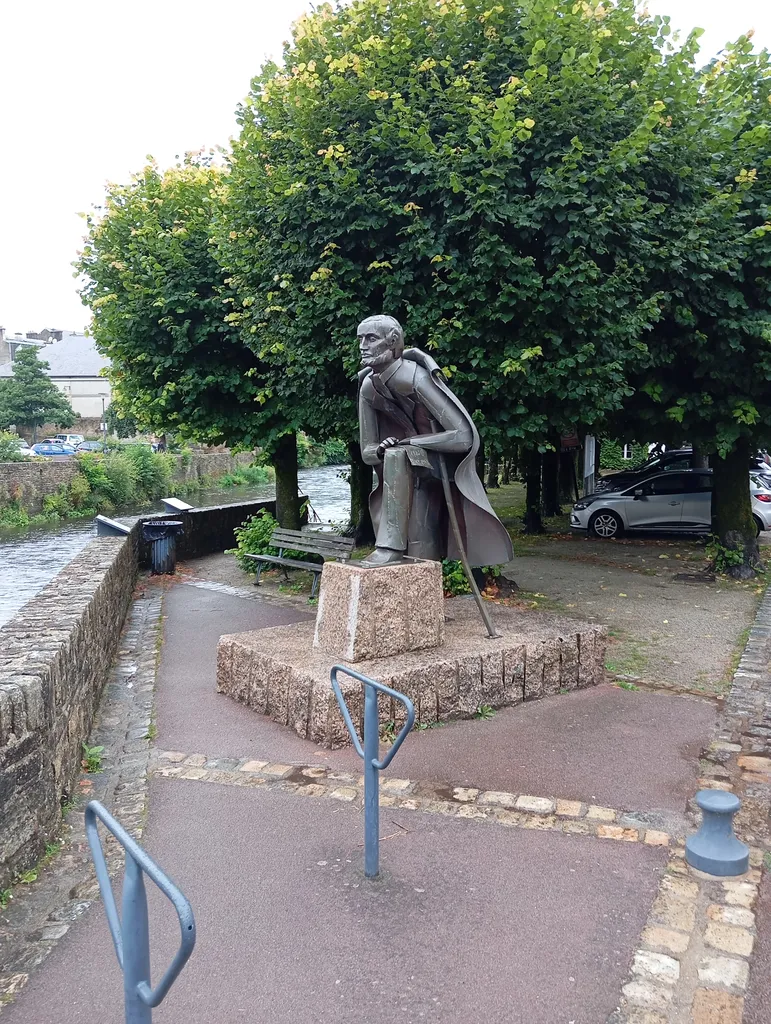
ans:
(487, 540)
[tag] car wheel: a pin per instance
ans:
(758, 525)
(606, 525)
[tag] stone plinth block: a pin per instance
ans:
(279, 672)
(376, 613)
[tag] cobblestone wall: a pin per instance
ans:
(55, 656)
(29, 482)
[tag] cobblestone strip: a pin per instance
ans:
(739, 757)
(514, 809)
(692, 964)
(41, 913)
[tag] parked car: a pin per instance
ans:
(670, 502)
(91, 446)
(52, 450)
(677, 458)
(73, 439)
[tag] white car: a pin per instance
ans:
(671, 502)
(73, 439)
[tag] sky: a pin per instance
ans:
(89, 88)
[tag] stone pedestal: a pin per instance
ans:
(279, 672)
(377, 613)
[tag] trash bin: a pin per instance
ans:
(161, 534)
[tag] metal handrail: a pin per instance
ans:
(131, 936)
(369, 752)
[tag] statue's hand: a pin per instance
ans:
(387, 442)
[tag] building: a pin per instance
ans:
(74, 364)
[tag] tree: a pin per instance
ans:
(472, 169)
(30, 398)
(710, 354)
(121, 426)
(159, 301)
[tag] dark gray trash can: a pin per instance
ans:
(161, 534)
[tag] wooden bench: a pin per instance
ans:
(329, 546)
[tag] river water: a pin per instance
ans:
(31, 557)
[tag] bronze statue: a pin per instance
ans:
(422, 444)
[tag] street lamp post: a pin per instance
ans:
(104, 423)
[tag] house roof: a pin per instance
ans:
(74, 356)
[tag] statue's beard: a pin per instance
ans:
(377, 360)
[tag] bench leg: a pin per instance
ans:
(315, 587)
(257, 577)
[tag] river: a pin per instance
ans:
(31, 557)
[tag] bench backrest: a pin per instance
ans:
(329, 545)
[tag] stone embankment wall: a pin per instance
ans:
(29, 482)
(55, 657)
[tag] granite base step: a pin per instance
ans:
(277, 671)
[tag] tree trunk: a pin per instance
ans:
(361, 486)
(492, 470)
(567, 477)
(700, 459)
(506, 473)
(284, 460)
(551, 466)
(532, 461)
(732, 520)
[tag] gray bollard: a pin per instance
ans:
(714, 848)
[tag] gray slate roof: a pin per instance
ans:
(74, 356)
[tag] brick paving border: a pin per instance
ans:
(514, 809)
(41, 913)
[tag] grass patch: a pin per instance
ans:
(628, 659)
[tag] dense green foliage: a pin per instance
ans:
(9, 447)
(120, 426)
(253, 538)
(157, 298)
(612, 455)
(29, 398)
(472, 169)
(310, 453)
(552, 197)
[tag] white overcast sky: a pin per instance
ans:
(89, 87)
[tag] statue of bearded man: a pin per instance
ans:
(408, 417)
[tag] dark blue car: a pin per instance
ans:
(52, 450)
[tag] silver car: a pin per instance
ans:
(671, 502)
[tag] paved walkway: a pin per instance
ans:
(532, 870)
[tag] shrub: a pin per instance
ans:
(121, 477)
(9, 447)
(253, 538)
(253, 474)
(154, 470)
(454, 578)
(13, 514)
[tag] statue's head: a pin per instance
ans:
(381, 341)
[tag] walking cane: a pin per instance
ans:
(455, 526)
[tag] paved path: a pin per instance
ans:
(579, 745)
(485, 912)
(468, 925)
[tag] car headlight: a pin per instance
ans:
(581, 506)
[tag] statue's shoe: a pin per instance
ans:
(381, 557)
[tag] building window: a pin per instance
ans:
(627, 451)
